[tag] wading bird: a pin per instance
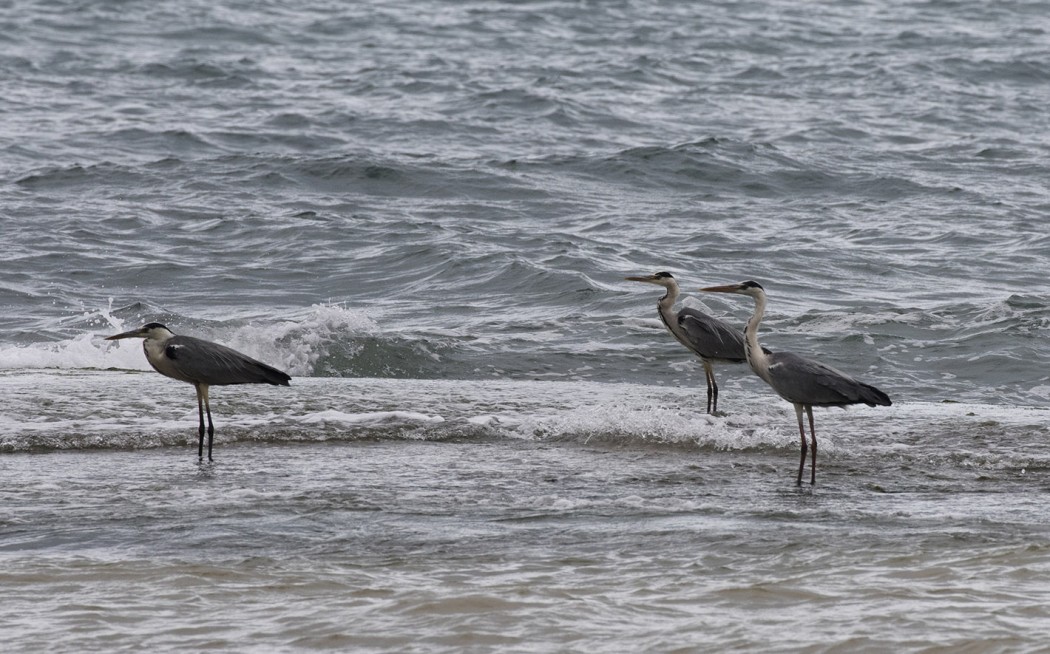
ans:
(203, 364)
(803, 382)
(711, 339)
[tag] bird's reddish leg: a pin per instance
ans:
(802, 433)
(200, 430)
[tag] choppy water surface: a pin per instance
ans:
(424, 212)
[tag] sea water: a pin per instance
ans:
(424, 212)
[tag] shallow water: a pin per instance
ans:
(515, 515)
(519, 545)
(425, 213)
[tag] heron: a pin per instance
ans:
(803, 382)
(203, 364)
(711, 339)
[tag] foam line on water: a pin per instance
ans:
(61, 409)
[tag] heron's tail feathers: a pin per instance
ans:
(274, 376)
(262, 373)
(872, 396)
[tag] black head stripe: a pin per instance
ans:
(153, 325)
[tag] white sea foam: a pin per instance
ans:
(53, 407)
(293, 345)
(369, 418)
(83, 351)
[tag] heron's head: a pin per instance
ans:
(664, 279)
(151, 330)
(752, 288)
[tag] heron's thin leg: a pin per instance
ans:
(813, 438)
(200, 430)
(712, 387)
(211, 427)
(802, 432)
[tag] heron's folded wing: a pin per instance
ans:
(710, 337)
(806, 381)
(214, 364)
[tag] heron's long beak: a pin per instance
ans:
(648, 278)
(728, 288)
(134, 333)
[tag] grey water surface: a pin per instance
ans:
(424, 212)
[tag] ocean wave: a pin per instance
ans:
(78, 175)
(319, 340)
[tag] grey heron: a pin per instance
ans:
(803, 382)
(711, 339)
(203, 364)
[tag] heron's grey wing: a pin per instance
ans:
(712, 338)
(214, 364)
(802, 380)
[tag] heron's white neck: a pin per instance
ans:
(756, 357)
(669, 298)
(665, 307)
(154, 343)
